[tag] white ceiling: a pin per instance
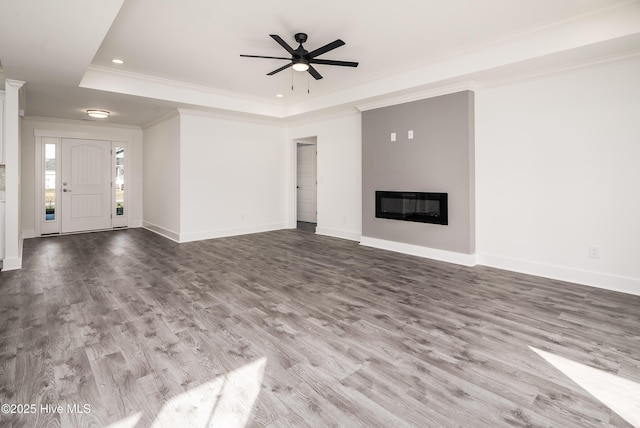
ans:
(187, 54)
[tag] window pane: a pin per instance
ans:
(119, 181)
(50, 182)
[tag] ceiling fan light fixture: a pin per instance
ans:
(300, 66)
(98, 114)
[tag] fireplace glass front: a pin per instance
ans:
(412, 206)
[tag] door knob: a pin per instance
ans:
(66, 190)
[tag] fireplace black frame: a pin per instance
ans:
(405, 206)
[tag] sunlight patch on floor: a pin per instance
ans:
(226, 401)
(128, 422)
(619, 394)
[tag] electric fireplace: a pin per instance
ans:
(412, 206)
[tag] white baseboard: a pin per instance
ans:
(14, 263)
(136, 223)
(27, 234)
(417, 250)
(221, 233)
(593, 279)
(169, 234)
(337, 233)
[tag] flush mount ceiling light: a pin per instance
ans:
(117, 61)
(98, 114)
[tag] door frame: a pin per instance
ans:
(41, 137)
(293, 179)
(310, 143)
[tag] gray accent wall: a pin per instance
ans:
(439, 158)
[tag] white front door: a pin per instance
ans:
(86, 185)
(306, 191)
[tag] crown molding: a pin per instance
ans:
(15, 84)
(477, 82)
(181, 93)
(236, 116)
(320, 115)
(417, 95)
(178, 84)
(80, 122)
(260, 120)
(161, 119)
(516, 77)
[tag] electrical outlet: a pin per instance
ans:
(594, 251)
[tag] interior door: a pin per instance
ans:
(86, 185)
(307, 187)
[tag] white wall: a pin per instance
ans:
(233, 177)
(558, 170)
(339, 144)
(161, 168)
(79, 129)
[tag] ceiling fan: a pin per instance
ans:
(301, 59)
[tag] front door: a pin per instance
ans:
(86, 184)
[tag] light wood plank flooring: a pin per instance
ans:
(320, 331)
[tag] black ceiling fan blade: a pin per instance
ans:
(312, 71)
(280, 69)
(333, 62)
(260, 56)
(283, 43)
(326, 48)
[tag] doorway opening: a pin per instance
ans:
(306, 184)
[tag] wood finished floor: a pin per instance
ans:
(126, 321)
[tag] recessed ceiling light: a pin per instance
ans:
(98, 114)
(279, 95)
(117, 61)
